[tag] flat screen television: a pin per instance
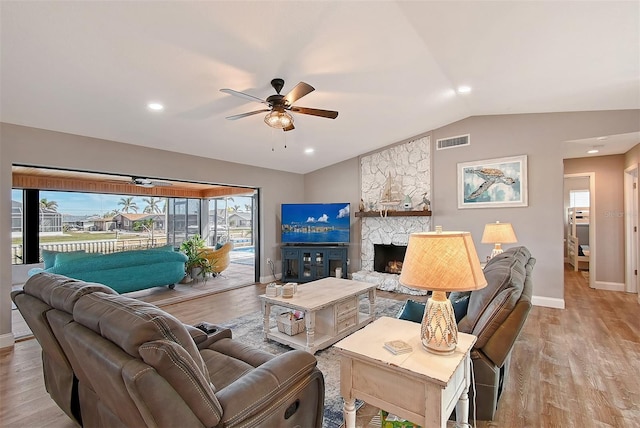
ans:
(315, 223)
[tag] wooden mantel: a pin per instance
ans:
(393, 213)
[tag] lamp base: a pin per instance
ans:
(496, 250)
(439, 331)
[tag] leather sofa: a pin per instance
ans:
(496, 315)
(113, 361)
(123, 271)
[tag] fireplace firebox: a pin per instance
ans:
(387, 258)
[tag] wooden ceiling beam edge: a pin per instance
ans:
(24, 181)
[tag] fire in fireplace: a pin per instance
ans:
(387, 258)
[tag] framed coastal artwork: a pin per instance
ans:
(493, 183)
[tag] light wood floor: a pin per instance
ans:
(577, 367)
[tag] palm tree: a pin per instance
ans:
(48, 205)
(128, 205)
(152, 205)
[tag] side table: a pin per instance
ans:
(419, 386)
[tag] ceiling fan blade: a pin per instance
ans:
(161, 183)
(289, 128)
(251, 113)
(329, 114)
(299, 91)
(243, 95)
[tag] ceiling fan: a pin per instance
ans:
(278, 115)
(144, 182)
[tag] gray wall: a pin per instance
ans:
(632, 157)
(30, 146)
(339, 183)
(608, 215)
(540, 225)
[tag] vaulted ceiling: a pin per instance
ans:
(391, 69)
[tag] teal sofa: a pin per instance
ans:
(124, 272)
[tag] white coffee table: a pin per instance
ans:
(418, 386)
(331, 312)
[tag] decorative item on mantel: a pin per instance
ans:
(426, 203)
(390, 197)
(361, 206)
(408, 203)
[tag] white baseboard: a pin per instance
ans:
(6, 340)
(548, 302)
(608, 286)
(269, 278)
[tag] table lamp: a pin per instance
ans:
(441, 262)
(498, 233)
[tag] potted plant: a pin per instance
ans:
(196, 264)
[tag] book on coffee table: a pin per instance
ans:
(398, 347)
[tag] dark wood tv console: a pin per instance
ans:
(304, 263)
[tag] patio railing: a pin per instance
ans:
(106, 246)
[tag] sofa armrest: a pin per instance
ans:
(205, 334)
(260, 387)
(499, 345)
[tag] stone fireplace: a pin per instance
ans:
(388, 258)
(410, 165)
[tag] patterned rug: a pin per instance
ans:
(249, 329)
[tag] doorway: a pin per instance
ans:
(578, 222)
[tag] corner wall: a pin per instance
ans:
(39, 147)
(539, 226)
(338, 183)
(609, 214)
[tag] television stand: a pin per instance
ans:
(308, 263)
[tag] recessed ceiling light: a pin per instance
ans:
(592, 151)
(601, 138)
(309, 151)
(155, 106)
(464, 89)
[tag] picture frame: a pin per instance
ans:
(493, 183)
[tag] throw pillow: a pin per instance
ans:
(168, 247)
(412, 311)
(460, 306)
(73, 256)
(49, 256)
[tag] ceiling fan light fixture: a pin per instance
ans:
(278, 119)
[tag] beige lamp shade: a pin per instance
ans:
(442, 261)
(498, 233)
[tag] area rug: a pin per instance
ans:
(248, 329)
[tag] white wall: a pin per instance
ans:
(30, 146)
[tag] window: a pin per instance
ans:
(578, 198)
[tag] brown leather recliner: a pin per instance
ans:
(46, 302)
(137, 365)
(496, 315)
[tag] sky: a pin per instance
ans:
(76, 203)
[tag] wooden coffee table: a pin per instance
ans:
(418, 386)
(331, 312)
